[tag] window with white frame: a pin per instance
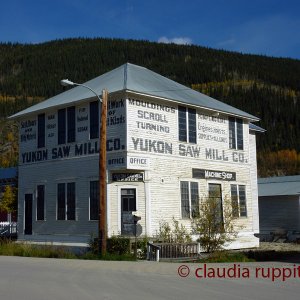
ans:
(66, 125)
(189, 199)
(236, 139)
(187, 128)
(66, 201)
(40, 203)
(238, 200)
(94, 119)
(41, 131)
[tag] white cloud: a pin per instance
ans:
(176, 40)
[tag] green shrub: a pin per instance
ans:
(118, 245)
(172, 233)
(142, 248)
(226, 256)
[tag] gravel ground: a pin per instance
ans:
(279, 246)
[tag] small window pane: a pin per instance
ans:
(182, 123)
(185, 207)
(40, 202)
(61, 126)
(71, 201)
(243, 205)
(192, 125)
(125, 204)
(94, 120)
(41, 131)
(232, 140)
(61, 204)
(239, 134)
(234, 201)
(71, 124)
(132, 206)
(94, 200)
(194, 199)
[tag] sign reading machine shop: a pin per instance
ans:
(127, 177)
(212, 174)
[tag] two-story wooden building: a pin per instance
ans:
(167, 146)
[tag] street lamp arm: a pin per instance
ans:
(67, 82)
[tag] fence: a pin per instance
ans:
(8, 229)
(172, 251)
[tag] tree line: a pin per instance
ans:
(264, 86)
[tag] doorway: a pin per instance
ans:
(128, 206)
(215, 195)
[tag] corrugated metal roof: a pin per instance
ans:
(137, 80)
(6, 173)
(279, 186)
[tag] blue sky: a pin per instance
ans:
(268, 27)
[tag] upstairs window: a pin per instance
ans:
(66, 125)
(71, 124)
(236, 139)
(94, 120)
(61, 126)
(187, 128)
(41, 131)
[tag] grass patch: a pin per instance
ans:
(226, 256)
(273, 255)
(10, 248)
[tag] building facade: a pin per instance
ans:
(167, 147)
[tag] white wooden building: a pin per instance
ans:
(167, 146)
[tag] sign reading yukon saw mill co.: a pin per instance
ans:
(212, 174)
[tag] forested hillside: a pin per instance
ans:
(263, 86)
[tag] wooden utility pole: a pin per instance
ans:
(102, 232)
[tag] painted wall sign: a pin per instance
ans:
(116, 112)
(132, 177)
(156, 146)
(151, 105)
(212, 128)
(213, 174)
(51, 128)
(138, 162)
(28, 130)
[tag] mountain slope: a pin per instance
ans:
(263, 86)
